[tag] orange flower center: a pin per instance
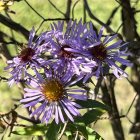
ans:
(99, 52)
(53, 90)
(26, 54)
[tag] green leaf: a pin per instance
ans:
(93, 135)
(92, 104)
(52, 133)
(68, 134)
(87, 132)
(36, 130)
(83, 130)
(73, 127)
(90, 116)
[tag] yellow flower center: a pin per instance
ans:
(53, 90)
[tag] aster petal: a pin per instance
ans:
(98, 71)
(31, 36)
(76, 105)
(76, 90)
(75, 81)
(33, 83)
(67, 113)
(114, 45)
(56, 114)
(39, 77)
(61, 115)
(92, 31)
(31, 90)
(110, 39)
(29, 99)
(33, 103)
(117, 70)
(100, 33)
(87, 76)
(123, 61)
(39, 110)
(71, 108)
(40, 113)
(49, 114)
(45, 114)
(94, 44)
(78, 96)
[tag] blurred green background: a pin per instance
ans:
(28, 18)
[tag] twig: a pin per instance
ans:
(13, 25)
(3, 78)
(76, 137)
(131, 104)
(62, 132)
(74, 8)
(95, 18)
(68, 10)
(34, 9)
(56, 8)
(27, 119)
(112, 15)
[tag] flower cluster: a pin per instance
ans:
(54, 62)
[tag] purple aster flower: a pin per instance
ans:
(66, 45)
(104, 53)
(52, 97)
(28, 57)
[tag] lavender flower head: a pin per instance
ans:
(66, 45)
(29, 57)
(104, 53)
(53, 98)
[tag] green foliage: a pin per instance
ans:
(34, 130)
(92, 104)
(87, 132)
(52, 130)
(93, 135)
(91, 116)
(52, 133)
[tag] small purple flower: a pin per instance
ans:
(66, 45)
(29, 57)
(104, 53)
(52, 98)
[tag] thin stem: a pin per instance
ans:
(62, 132)
(34, 9)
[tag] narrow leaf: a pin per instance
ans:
(36, 130)
(92, 104)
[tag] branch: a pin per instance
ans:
(34, 9)
(13, 25)
(56, 8)
(74, 7)
(95, 18)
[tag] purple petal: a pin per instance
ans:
(56, 115)
(29, 99)
(33, 103)
(71, 108)
(110, 39)
(60, 114)
(95, 44)
(31, 36)
(67, 113)
(115, 45)
(39, 109)
(100, 33)
(123, 61)
(78, 96)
